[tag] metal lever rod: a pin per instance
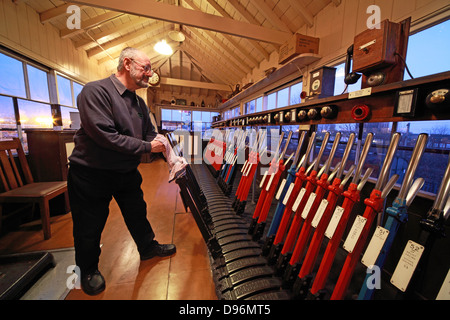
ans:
(419, 148)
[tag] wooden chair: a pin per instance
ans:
(20, 187)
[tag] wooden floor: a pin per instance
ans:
(186, 275)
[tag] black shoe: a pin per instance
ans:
(92, 283)
(158, 250)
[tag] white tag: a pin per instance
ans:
(308, 205)
(334, 221)
(444, 292)
(360, 93)
(248, 169)
(299, 199)
(280, 189)
(375, 245)
(354, 233)
(270, 181)
(244, 166)
(406, 265)
(288, 193)
(263, 178)
(323, 205)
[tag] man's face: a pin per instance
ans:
(138, 72)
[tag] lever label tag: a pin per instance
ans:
(334, 221)
(288, 193)
(280, 189)
(375, 245)
(299, 199)
(323, 205)
(355, 232)
(308, 205)
(406, 265)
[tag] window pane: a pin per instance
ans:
(35, 114)
(259, 104)
(7, 117)
(345, 129)
(186, 116)
(283, 98)
(271, 101)
(166, 114)
(64, 91)
(339, 84)
(38, 84)
(68, 116)
(381, 140)
(176, 115)
(76, 90)
(296, 90)
(13, 81)
(420, 59)
(196, 116)
(250, 107)
(435, 158)
(206, 116)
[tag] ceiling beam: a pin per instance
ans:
(230, 40)
(53, 13)
(219, 55)
(253, 43)
(195, 84)
(122, 40)
(121, 28)
(268, 13)
(184, 16)
(247, 16)
(90, 23)
(303, 12)
(238, 63)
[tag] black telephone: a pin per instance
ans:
(350, 77)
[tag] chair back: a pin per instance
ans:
(12, 176)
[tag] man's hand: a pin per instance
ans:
(157, 146)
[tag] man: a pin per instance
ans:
(115, 131)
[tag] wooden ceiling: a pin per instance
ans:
(225, 40)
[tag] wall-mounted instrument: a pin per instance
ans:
(378, 54)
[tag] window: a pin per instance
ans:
(420, 59)
(345, 129)
(69, 115)
(13, 81)
(76, 91)
(435, 158)
(38, 81)
(271, 101)
(249, 107)
(7, 115)
(339, 84)
(64, 91)
(259, 104)
(172, 119)
(283, 97)
(34, 114)
(296, 91)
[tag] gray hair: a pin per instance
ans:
(128, 52)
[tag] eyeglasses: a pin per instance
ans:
(147, 68)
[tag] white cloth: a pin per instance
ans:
(176, 164)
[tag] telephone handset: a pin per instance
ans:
(350, 77)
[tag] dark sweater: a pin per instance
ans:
(115, 127)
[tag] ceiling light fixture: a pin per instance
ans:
(163, 48)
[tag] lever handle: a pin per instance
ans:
(389, 185)
(416, 186)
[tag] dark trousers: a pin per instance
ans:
(90, 193)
